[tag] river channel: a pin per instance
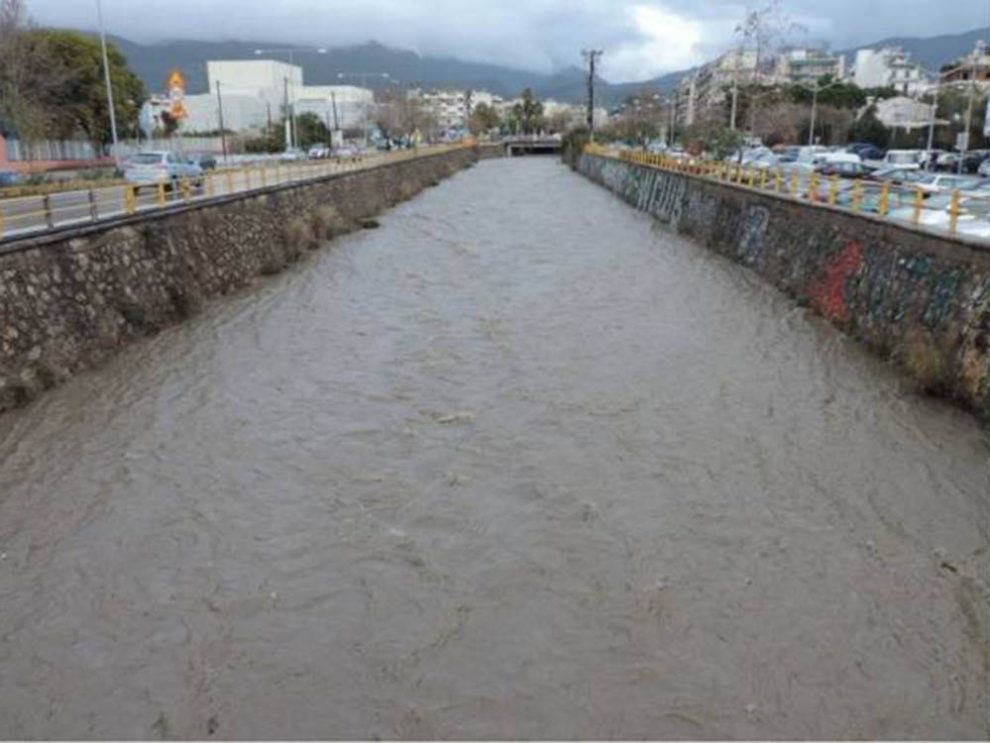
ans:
(517, 464)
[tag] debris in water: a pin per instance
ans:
(454, 418)
(370, 224)
(751, 708)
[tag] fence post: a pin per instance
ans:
(919, 201)
(264, 177)
(46, 204)
(161, 194)
(186, 190)
(230, 182)
(247, 178)
(857, 196)
(884, 198)
(954, 212)
(130, 200)
(210, 186)
(833, 190)
(777, 180)
(94, 212)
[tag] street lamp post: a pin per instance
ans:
(106, 76)
(815, 90)
(363, 77)
(292, 138)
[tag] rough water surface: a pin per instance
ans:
(517, 464)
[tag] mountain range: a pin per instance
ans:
(153, 62)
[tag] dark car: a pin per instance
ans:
(846, 170)
(208, 162)
(866, 151)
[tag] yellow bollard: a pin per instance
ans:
(278, 172)
(210, 187)
(1, 221)
(778, 178)
(833, 190)
(919, 204)
(186, 190)
(751, 179)
(247, 179)
(884, 199)
(763, 178)
(739, 174)
(130, 200)
(813, 183)
(857, 196)
(954, 212)
(161, 194)
(230, 182)
(264, 178)
(794, 185)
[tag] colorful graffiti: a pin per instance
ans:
(828, 294)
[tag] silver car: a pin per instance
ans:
(152, 168)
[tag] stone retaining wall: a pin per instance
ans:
(920, 298)
(69, 300)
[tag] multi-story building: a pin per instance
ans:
(890, 67)
(808, 66)
(340, 107)
(710, 86)
(974, 67)
(450, 108)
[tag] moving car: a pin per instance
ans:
(169, 168)
(292, 155)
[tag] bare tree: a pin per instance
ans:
(764, 31)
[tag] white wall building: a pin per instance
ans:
(889, 67)
(904, 113)
(338, 106)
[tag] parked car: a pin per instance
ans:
(907, 159)
(866, 151)
(788, 154)
(846, 169)
(938, 182)
(292, 155)
(319, 152)
(169, 168)
(208, 162)
(9, 178)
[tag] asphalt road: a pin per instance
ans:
(34, 214)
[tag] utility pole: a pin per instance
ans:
(814, 115)
(592, 55)
(106, 76)
(735, 91)
(288, 124)
(964, 148)
(223, 130)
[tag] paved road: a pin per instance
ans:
(29, 215)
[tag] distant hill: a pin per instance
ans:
(153, 62)
(931, 52)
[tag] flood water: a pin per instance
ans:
(517, 464)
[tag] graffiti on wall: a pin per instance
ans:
(829, 293)
(754, 229)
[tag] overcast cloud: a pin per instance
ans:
(641, 39)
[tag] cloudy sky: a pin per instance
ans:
(642, 39)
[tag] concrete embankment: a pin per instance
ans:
(70, 299)
(919, 298)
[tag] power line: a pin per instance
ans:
(591, 56)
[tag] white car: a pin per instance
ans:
(168, 168)
(292, 154)
(907, 159)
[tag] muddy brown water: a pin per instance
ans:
(517, 464)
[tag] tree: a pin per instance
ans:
(311, 130)
(869, 128)
(26, 76)
(483, 119)
(527, 114)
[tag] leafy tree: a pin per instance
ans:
(483, 119)
(78, 103)
(527, 114)
(869, 128)
(311, 130)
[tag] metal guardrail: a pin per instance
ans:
(958, 212)
(29, 216)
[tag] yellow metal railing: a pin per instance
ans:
(906, 203)
(27, 215)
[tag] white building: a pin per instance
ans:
(448, 107)
(889, 67)
(338, 106)
(808, 66)
(904, 113)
